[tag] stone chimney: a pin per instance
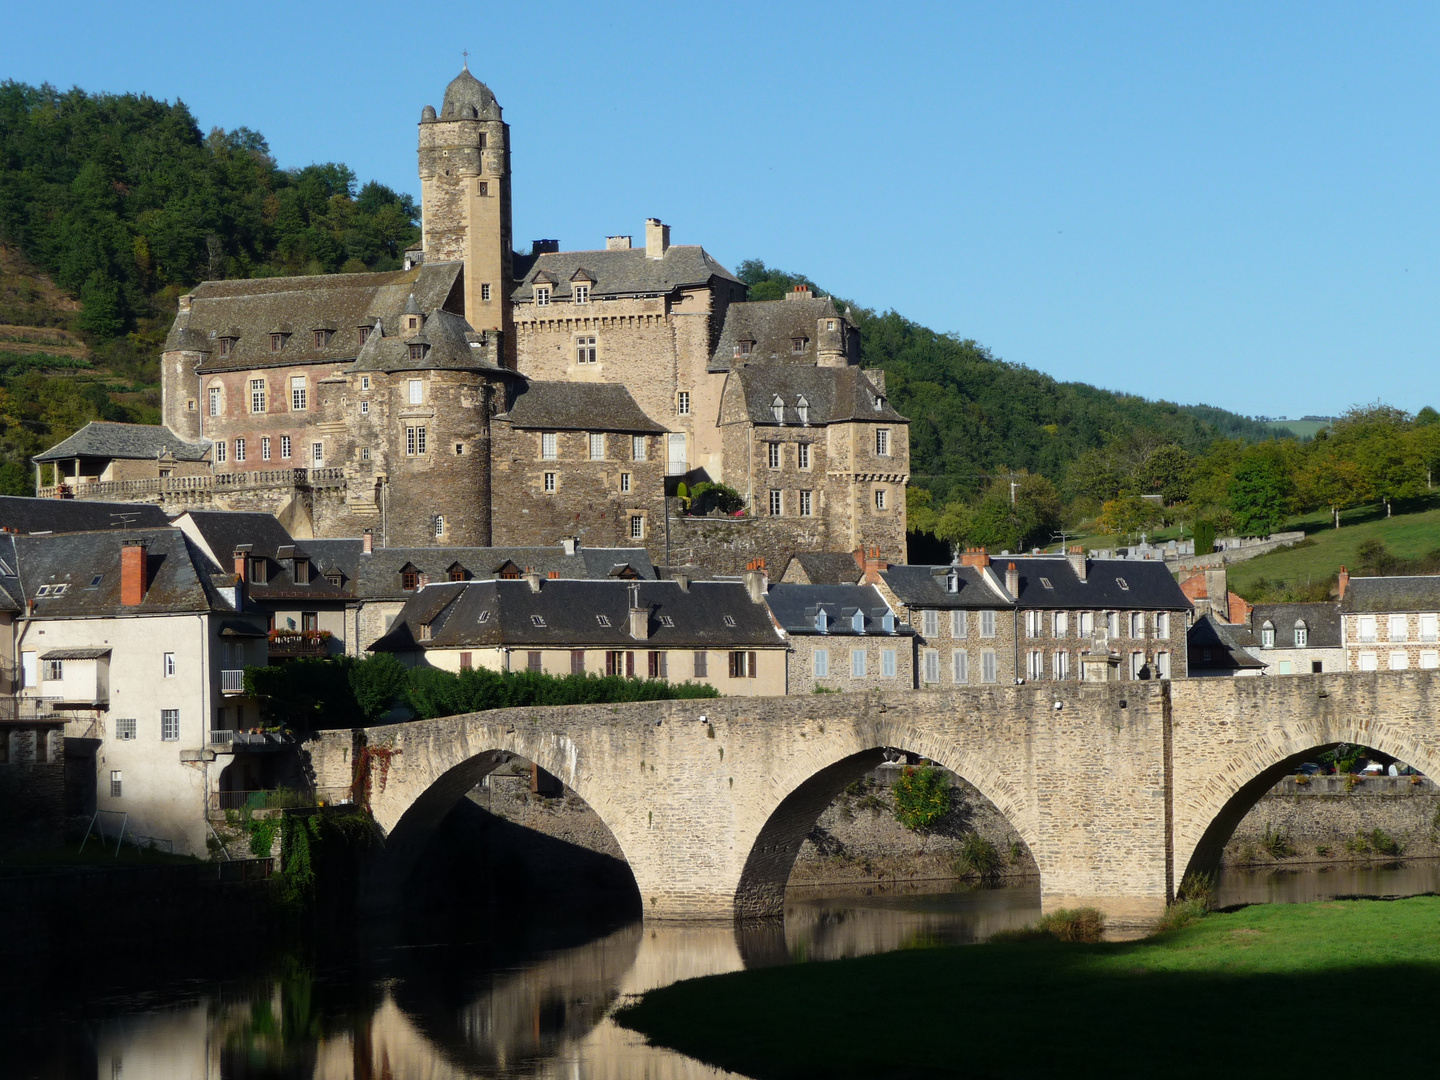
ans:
(531, 577)
(367, 542)
(571, 545)
(872, 566)
(639, 616)
(185, 302)
(799, 292)
(617, 243)
(134, 572)
(976, 557)
(1217, 591)
(1344, 581)
(1012, 579)
(544, 247)
(657, 238)
(756, 583)
(683, 580)
(241, 558)
(1076, 555)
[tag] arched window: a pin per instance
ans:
(1267, 635)
(778, 408)
(1302, 634)
(802, 407)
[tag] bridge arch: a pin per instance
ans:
(803, 792)
(1211, 813)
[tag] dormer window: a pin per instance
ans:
(742, 348)
(364, 335)
(257, 570)
(777, 408)
(227, 346)
(878, 403)
(582, 294)
(952, 582)
(417, 352)
(1302, 634)
(1267, 635)
(302, 571)
(424, 631)
(277, 342)
(857, 622)
(321, 338)
(409, 578)
(802, 408)
(887, 622)
(334, 577)
(458, 573)
(412, 322)
(542, 296)
(797, 344)
(822, 622)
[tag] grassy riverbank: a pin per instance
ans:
(1232, 995)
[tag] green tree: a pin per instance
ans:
(1166, 472)
(1258, 492)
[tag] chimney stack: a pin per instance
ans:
(544, 247)
(134, 572)
(241, 555)
(756, 583)
(1344, 581)
(367, 542)
(639, 616)
(657, 238)
(1076, 555)
(683, 580)
(800, 292)
(570, 544)
(1012, 579)
(617, 243)
(873, 565)
(532, 578)
(976, 557)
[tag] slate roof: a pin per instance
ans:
(220, 532)
(1114, 584)
(180, 575)
(103, 439)
(928, 587)
(1381, 594)
(1227, 644)
(574, 614)
(832, 394)
(377, 576)
(468, 98)
(824, 567)
(575, 406)
(772, 325)
(251, 309)
(10, 591)
(447, 340)
(627, 272)
(25, 515)
(796, 606)
(1322, 623)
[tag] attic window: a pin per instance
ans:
(424, 631)
(413, 323)
(542, 296)
(952, 582)
(742, 348)
(666, 620)
(409, 579)
(484, 616)
(1046, 582)
(333, 577)
(582, 294)
(879, 403)
(797, 344)
(43, 590)
(537, 620)
(822, 621)
(1121, 582)
(364, 334)
(59, 590)
(603, 620)
(302, 571)
(777, 407)
(257, 570)
(829, 324)
(802, 407)
(227, 345)
(95, 581)
(277, 342)
(458, 573)
(322, 338)
(857, 622)
(729, 620)
(417, 352)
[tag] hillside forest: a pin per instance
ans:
(112, 206)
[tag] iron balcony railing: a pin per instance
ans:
(232, 681)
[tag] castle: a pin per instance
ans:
(478, 396)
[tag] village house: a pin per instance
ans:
(1297, 639)
(1390, 623)
(716, 633)
(842, 638)
(1220, 649)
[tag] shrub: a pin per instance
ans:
(1073, 924)
(1197, 887)
(1017, 853)
(1384, 843)
(1277, 842)
(707, 496)
(922, 796)
(1358, 844)
(1322, 850)
(977, 858)
(1181, 913)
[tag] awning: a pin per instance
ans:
(74, 654)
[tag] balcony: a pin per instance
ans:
(289, 644)
(20, 710)
(232, 681)
(228, 740)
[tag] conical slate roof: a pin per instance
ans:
(467, 97)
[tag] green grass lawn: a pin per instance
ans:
(1267, 989)
(1414, 530)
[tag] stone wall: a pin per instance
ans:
(32, 786)
(800, 665)
(726, 545)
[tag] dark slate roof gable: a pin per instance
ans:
(772, 325)
(570, 612)
(833, 394)
(795, 608)
(1322, 623)
(141, 442)
(1420, 592)
(624, 272)
(826, 567)
(26, 515)
(1113, 584)
(222, 531)
(1227, 644)
(576, 406)
(928, 587)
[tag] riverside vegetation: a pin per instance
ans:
(1167, 1005)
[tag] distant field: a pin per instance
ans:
(1406, 535)
(1304, 429)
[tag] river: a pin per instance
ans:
(528, 1001)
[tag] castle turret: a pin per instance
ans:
(465, 196)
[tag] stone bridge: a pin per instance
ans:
(1119, 790)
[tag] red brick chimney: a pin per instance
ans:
(367, 542)
(240, 556)
(976, 557)
(1344, 581)
(134, 572)
(873, 566)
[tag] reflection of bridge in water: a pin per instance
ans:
(1118, 790)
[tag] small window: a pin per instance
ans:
(425, 632)
(54, 670)
(1122, 583)
(124, 728)
(220, 448)
(170, 725)
(285, 447)
(321, 338)
(702, 664)
(857, 663)
(882, 442)
(277, 342)
(1045, 582)
(777, 503)
(483, 187)
(239, 449)
(549, 483)
(43, 590)
(887, 663)
(802, 409)
(584, 347)
(822, 663)
(624, 483)
(773, 454)
(742, 348)
(666, 620)
(537, 620)
(364, 408)
(439, 526)
(95, 581)
(637, 527)
(729, 620)
(414, 323)
(879, 498)
(682, 403)
(415, 441)
(549, 446)
(533, 661)
(467, 661)
(930, 623)
(169, 665)
(805, 503)
(214, 398)
(416, 390)
(265, 448)
(409, 579)
(597, 447)
(777, 409)
(639, 450)
(484, 617)
(603, 620)
(226, 346)
(364, 382)
(257, 574)
(364, 333)
(988, 671)
(987, 624)
(542, 295)
(1267, 636)
(417, 352)
(582, 294)
(960, 667)
(802, 453)
(797, 345)
(317, 452)
(116, 783)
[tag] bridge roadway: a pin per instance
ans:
(1118, 789)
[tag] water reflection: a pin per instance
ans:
(512, 1008)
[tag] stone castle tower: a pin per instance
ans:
(465, 197)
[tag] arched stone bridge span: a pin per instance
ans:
(1118, 791)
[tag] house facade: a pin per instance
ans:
(842, 638)
(1390, 623)
(1298, 639)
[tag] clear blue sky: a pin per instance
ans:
(1228, 203)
